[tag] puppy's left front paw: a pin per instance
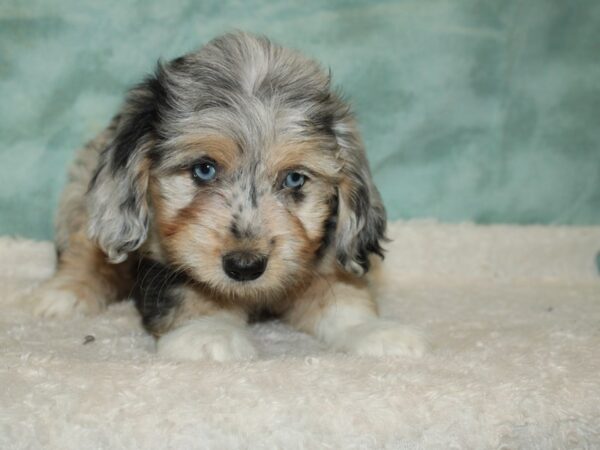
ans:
(383, 338)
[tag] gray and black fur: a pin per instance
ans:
(211, 79)
(237, 84)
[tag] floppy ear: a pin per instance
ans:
(116, 198)
(361, 215)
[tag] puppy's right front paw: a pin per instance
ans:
(207, 338)
(59, 303)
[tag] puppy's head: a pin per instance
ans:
(243, 167)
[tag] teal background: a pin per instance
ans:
(471, 110)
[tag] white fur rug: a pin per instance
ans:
(513, 314)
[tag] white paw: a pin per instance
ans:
(56, 303)
(207, 338)
(382, 338)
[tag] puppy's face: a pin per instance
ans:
(238, 164)
(251, 221)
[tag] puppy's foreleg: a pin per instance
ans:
(186, 323)
(344, 315)
(84, 283)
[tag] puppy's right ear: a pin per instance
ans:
(116, 198)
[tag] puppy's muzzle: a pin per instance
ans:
(244, 266)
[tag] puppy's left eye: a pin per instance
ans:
(204, 171)
(294, 180)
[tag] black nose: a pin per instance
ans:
(244, 266)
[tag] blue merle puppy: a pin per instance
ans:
(232, 185)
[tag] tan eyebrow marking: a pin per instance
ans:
(191, 147)
(311, 154)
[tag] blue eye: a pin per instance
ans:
(204, 171)
(294, 180)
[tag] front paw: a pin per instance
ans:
(382, 338)
(207, 338)
(53, 302)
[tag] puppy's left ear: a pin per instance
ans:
(361, 214)
(116, 199)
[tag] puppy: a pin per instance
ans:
(233, 184)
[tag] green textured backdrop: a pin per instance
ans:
(471, 110)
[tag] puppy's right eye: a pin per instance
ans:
(204, 171)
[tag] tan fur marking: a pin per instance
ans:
(83, 269)
(190, 147)
(336, 289)
(312, 154)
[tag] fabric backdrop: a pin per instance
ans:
(471, 110)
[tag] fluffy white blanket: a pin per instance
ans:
(513, 314)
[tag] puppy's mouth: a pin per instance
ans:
(244, 266)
